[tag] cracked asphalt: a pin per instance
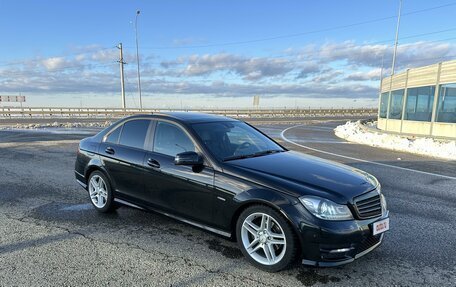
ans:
(50, 234)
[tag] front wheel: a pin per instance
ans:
(266, 238)
(100, 192)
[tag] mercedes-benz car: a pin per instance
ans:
(225, 176)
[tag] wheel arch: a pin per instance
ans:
(261, 202)
(265, 197)
(94, 165)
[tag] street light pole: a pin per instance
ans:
(122, 80)
(393, 65)
(137, 58)
(397, 36)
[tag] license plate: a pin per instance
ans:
(381, 226)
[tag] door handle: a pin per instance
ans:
(153, 163)
(110, 150)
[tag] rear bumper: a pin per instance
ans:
(80, 179)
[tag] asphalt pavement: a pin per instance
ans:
(50, 234)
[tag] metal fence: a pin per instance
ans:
(52, 112)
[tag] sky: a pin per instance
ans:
(216, 54)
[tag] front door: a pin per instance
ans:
(183, 190)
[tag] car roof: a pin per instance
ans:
(188, 117)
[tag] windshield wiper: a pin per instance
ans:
(260, 153)
(237, 157)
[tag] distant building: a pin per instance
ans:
(420, 101)
(256, 101)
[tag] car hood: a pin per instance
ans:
(302, 174)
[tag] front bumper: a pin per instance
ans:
(333, 243)
(343, 256)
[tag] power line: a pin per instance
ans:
(274, 58)
(21, 72)
(373, 43)
(206, 81)
(432, 58)
(424, 34)
(81, 66)
(129, 81)
(280, 56)
(382, 42)
(317, 53)
(261, 39)
(266, 39)
(302, 33)
(50, 57)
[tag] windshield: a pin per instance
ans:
(234, 140)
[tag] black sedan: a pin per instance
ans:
(225, 176)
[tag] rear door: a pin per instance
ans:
(182, 190)
(123, 153)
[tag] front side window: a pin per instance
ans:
(170, 140)
(233, 140)
(134, 133)
(446, 107)
(419, 103)
(395, 111)
(384, 104)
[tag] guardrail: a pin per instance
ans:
(52, 112)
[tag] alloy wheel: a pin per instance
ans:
(263, 238)
(98, 191)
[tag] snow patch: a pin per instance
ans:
(363, 134)
(60, 125)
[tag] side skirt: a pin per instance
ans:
(202, 226)
(128, 203)
(81, 183)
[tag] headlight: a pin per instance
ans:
(326, 209)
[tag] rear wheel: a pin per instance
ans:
(266, 238)
(100, 192)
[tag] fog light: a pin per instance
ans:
(340, 250)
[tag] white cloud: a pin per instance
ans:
(247, 68)
(310, 68)
(370, 55)
(333, 70)
(329, 76)
(54, 63)
(80, 57)
(105, 55)
(373, 74)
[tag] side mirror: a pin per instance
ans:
(188, 158)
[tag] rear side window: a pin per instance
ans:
(134, 133)
(171, 140)
(114, 135)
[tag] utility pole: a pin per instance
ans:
(397, 36)
(122, 81)
(137, 58)
(393, 65)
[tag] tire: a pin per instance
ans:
(259, 237)
(101, 198)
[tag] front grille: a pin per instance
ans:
(368, 205)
